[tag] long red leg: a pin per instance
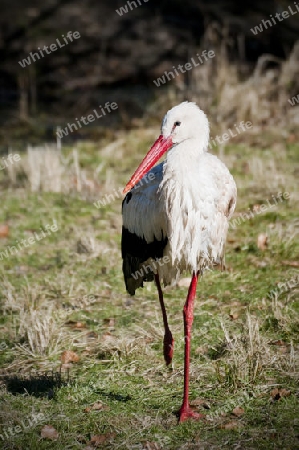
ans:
(168, 341)
(186, 412)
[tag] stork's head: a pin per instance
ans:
(183, 122)
(186, 121)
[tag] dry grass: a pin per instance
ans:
(250, 357)
(45, 169)
(231, 91)
(67, 293)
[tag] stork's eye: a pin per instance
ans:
(177, 124)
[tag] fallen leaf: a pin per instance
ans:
(69, 356)
(230, 425)
(277, 394)
(99, 439)
(4, 230)
(49, 432)
(284, 392)
(97, 406)
(290, 263)
(109, 322)
(233, 315)
(278, 342)
(262, 241)
(92, 335)
(200, 402)
(80, 325)
(75, 325)
(282, 346)
(238, 411)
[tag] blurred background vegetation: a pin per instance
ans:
(63, 305)
(118, 57)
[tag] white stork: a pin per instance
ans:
(176, 219)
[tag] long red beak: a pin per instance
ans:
(160, 146)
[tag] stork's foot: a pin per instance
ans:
(168, 345)
(187, 413)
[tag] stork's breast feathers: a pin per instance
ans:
(187, 213)
(198, 211)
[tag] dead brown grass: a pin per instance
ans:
(231, 91)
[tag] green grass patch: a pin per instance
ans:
(66, 292)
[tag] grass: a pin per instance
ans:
(66, 292)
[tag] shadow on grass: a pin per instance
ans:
(114, 396)
(37, 385)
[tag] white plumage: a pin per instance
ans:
(190, 199)
(176, 219)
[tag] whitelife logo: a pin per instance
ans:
(280, 197)
(86, 119)
(53, 47)
(284, 287)
(30, 241)
(240, 128)
(109, 198)
(270, 22)
(182, 68)
(9, 160)
(132, 5)
(144, 269)
(294, 100)
(29, 422)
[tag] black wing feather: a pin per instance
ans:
(135, 251)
